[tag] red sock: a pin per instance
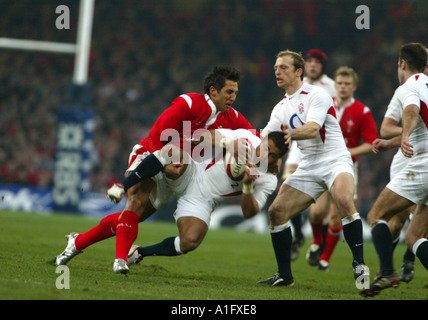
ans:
(317, 231)
(331, 239)
(126, 233)
(105, 229)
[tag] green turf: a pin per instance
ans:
(226, 266)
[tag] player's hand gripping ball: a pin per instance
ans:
(235, 161)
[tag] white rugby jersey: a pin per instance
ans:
(326, 83)
(415, 91)
(221, 187)
(395, 112)
(311, 103)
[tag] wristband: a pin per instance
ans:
(247, 189)
(291, 134)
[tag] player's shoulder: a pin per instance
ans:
(418, 78)
(360, 107)
(191, 99)
(326, 80)
(407, 87)
(315, 92)
(233, 113)
(312, 89)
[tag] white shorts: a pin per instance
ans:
(161, 193)
(412, 181)
(194, 200)
(294, 155)
(398, 163)
(315, 181)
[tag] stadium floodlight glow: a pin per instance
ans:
(80, 49)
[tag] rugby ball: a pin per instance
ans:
(234, 170)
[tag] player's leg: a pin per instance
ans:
(192, 231)
(193, 217)
(332, 237)
(77, 242)
(127, 226)
(318, 211)
(288, 203)
(396, 224)
(386, 206)
(416, 234)
(107, 228)
(296, 221)
(342, 192)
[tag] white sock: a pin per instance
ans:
(417, 244)
(177, 245)
(350, 219)
(279, 228)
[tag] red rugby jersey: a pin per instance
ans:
(357, 123)
(188, 113)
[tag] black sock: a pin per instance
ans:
(148, 168)
(408, 255)
(164, 248)
(297, 225)
(382, 240)
(353, 234)
(281, 242)
(422, 253)
(394, 243)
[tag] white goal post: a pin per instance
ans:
(80, 49)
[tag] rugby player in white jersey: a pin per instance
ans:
(201, 187)
(315, 74)
(410, 185)
(306, 114)
(390, 128)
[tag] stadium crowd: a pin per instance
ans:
(143, 55)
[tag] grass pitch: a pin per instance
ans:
(226, 266)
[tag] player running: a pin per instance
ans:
(357, 124)
(315, 74)
(306, 114)
(410, 185)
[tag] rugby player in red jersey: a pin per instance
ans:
(144, 185)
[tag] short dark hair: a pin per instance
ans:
(278, 139)
(218, 76)
(415, 55)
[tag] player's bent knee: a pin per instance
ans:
(275, 213)
(189, 243)
(395, 226)
(346, 206)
